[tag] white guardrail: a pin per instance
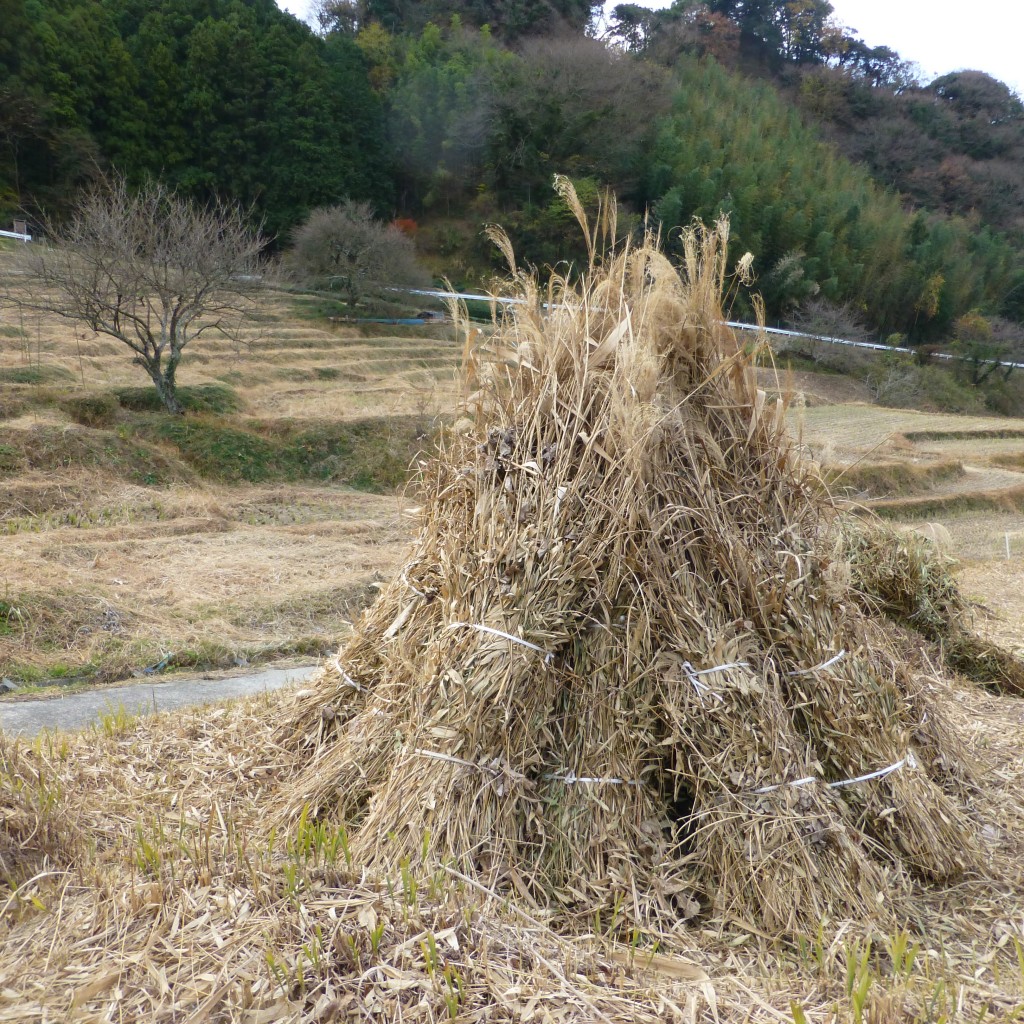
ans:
(873, 345)
(16, 234)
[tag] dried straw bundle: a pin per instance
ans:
(538, 697)
(906, 577)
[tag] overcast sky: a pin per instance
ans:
(940, 35)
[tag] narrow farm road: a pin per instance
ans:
(79, 710)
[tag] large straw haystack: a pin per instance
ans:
(625, 665)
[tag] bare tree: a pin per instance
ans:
(150, 268)
(826, 319)
(347, 248)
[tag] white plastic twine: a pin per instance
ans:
(702, 688)
(418, 593)
(451, 759)
(909, 761)
(346, 678)
(548, 656)
(572, 779)
(569, 778)
(817, 668)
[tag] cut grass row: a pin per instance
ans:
(1006, 499)
(997, 433)
(892, 478)
(123, 433)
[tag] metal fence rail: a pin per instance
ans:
(874, 346)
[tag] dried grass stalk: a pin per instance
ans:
(620, 496)
(35, 830)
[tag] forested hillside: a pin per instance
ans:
(230, 97)
(849, 181)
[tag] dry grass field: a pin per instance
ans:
(217, 866)
(130, 541)
(123, 547)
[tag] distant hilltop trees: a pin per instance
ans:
(850, 181)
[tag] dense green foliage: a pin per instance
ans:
(817, 224)
(232, 97)
(847, 180)
(511, 19)
(956, 145)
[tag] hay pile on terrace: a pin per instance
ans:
(623, 667)
(906, 577)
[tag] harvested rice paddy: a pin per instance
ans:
(416, 835)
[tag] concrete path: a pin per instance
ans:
(78, 710)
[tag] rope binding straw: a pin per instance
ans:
(570, 778)
(817, 668)
(909, 761)
(335, 663)
(704, 690)
(548, 656)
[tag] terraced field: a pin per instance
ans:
(221, 539)
(967, 471)
(282, 365)
(963, 472)
(251, 534)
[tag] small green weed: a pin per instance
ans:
(210, 398)
(410, 886)
(316, 845)
(148, 850)
(902, 954)
(447, 979)
(11, 619)
(115, 721)
(41, 373)
(858, 977)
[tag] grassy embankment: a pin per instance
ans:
(249, 529)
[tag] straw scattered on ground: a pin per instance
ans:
(180, 902)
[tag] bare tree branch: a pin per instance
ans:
(345, 247)
(149, 268)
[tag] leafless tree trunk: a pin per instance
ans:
(149, 268)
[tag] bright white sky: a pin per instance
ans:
(945, 35)
(940, 35)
